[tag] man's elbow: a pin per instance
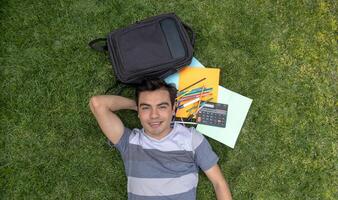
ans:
(95, 104)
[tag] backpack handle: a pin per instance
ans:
(192, 35)
(94, 44)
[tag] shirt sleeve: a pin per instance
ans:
(122, 144)
(204, 156)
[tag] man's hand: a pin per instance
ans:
(103, 108)
(220, 185)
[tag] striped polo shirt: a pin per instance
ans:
(166, 168)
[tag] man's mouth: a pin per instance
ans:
(155, 124)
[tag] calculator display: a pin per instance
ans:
(213, 114)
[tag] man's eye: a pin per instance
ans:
(145, 108)
(163, 107)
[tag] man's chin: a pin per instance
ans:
(155, 131)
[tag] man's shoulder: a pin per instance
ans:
(132, 130)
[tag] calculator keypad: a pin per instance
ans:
(213, 116)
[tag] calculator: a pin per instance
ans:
(213, 114)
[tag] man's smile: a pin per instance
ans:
(155, 124)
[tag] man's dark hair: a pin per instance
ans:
(152, 84)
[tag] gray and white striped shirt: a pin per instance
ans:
(166, 168)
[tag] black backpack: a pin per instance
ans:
(155, 47)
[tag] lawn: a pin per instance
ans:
(282, 54)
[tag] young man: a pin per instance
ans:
(161, 160)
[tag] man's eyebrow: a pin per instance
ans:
(163, 103)
(144, 104)
(160, 104)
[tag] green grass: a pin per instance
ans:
(282, 54)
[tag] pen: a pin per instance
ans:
(194, 96)
(202, 104)
(200, 88)
(184, 92)
(180, 122)
(197, 92)
(189, 103)
(199, 109)
(193, 84)
(199, 102)
(181, 95)
(193, 90)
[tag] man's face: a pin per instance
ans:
(155, 112)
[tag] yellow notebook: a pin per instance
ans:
(190, 75)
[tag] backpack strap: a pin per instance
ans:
(192, 34)
(117, 88)
(95, 44)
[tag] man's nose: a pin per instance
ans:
(154, 113)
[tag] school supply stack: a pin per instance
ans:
(221, 119)
(197, 97)
(196, 85)
(155, 47)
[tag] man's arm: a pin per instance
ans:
(103, 108)
(220, 185)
